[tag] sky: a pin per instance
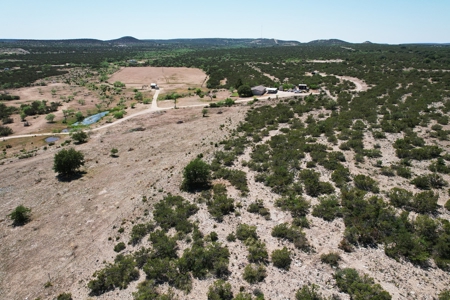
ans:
(382, 21)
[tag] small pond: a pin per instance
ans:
(92, 119)
(52, 139)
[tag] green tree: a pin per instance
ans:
(67, 161)
(20, 215)
(66, 114)
(138, 96)
(204, 112)
(79, 116)
(5, 130)
(79, 136)
(245, 91)
(175, 99)
(196, 175)
(50, 118)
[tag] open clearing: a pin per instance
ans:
(169, 78)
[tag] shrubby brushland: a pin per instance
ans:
(323, 156)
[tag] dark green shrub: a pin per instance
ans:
(331, 258)
(254, 273)
(237, 178)
(213, 236)
(257, 207)
(400, 197)
(139, 231)
(439, 166)
(366, 183)
(244, 296)
(349, 281)
(67, 161)
(163, 270)
(5, 130)
(163, 245)
(146, 290)
(231, 237)
(444, 295)
(379, 135)
(436, 181)
(340, 176)
(425, 202)
(309, 293)
(117, 275)
(404, 172)
(119, 247)
(291, 234)
(421, 182)
(301, 222)
(174, 211)
(20, 215)
(220, 290)
(244, 232)
(142, 256)
(441, 249)
(281, 258)
(196, 175)
(203, 259)
(372, 153)
(314, 187)
(328, 209)
(257, 252)
(64, 296)
(389, 172)
(298, 206)
(220, 205)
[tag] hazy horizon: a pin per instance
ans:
(349, 20)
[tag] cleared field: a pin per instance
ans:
(164, 77)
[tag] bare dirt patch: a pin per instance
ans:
(167, 78)
(321, 61)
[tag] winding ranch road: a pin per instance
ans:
(360, 86)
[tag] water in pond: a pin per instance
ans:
(92, 119)
(52, 139)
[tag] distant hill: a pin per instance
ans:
(131, 41)
(330, 42)
(125, 40)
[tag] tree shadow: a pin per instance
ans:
(70, 177)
